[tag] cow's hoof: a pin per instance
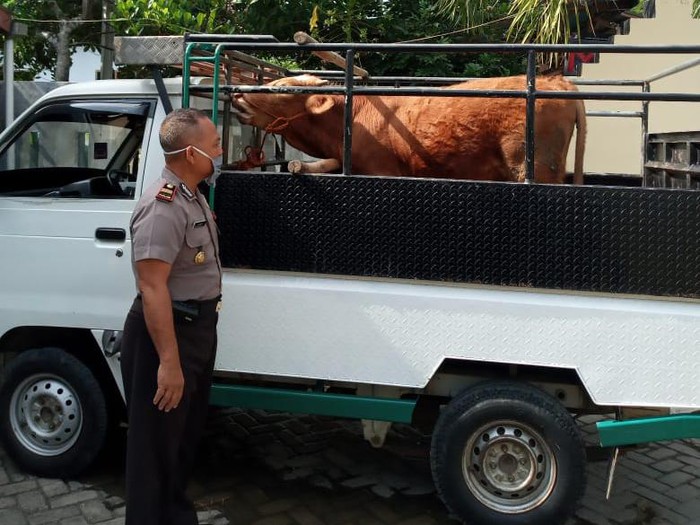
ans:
(295, 166)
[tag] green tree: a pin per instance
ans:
(56, 27)
(423, 21)
(382, 21)
(326, 20)
(173, 17)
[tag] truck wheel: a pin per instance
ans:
(53, 415)
(510, 454)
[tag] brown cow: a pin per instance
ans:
(424, 136)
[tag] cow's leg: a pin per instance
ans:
(317, 166)
(550, 167)
(550, 160)
(513, 151)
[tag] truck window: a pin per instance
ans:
(76, 150)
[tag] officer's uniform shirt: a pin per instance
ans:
(172, 224)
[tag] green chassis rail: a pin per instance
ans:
(645, 430)
(320, 403)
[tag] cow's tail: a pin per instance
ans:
(580, 141)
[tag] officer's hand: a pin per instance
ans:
(171, 383)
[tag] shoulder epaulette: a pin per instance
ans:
(167, 193)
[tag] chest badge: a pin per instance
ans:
(200, 257)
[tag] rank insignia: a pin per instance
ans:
(167, 193)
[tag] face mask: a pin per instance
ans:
(216, 163)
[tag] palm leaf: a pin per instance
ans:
(549, 22)
(466, 12)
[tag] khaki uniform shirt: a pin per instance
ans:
(174, 225)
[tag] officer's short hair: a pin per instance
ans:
(178, 127)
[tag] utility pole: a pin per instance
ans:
(107, 41)
(9, 72)
(10, 28)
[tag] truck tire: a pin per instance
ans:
(53, 415)
(507, 453)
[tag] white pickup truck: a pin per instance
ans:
(493, 311)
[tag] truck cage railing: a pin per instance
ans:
(202, 54)
(222, 53)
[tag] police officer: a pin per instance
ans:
(169, 340)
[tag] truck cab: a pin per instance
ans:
(73, 166)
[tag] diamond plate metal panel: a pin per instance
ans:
(598, 239)
(138, 50)
(635, 352)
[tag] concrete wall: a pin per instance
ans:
(614, 145)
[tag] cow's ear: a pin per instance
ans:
(318, 104)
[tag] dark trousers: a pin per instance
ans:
(161, 446)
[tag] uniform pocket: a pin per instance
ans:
(197, 234)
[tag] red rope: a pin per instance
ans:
(254, 158)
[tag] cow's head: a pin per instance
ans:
(277, 110)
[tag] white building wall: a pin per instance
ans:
(84, 67)
(614, 145)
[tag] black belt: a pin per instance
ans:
(192, 309)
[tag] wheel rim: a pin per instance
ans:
(509, 467)
(46, 415)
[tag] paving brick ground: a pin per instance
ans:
(258, 468)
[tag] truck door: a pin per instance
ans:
(69, 176)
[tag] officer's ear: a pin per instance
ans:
(189, 154)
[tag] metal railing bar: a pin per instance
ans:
(582, 82)
(340, 90)
(242, 57)
(645, 134)
(530, 117)
(471, 48)
(319, 72)
(659, 97)
(446, 80)
(347, 131)
(472, 93)
(673, 70)
(201, 38)
(675, 167)
(338, 74)
(622, 114)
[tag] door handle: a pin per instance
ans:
(110, 234)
